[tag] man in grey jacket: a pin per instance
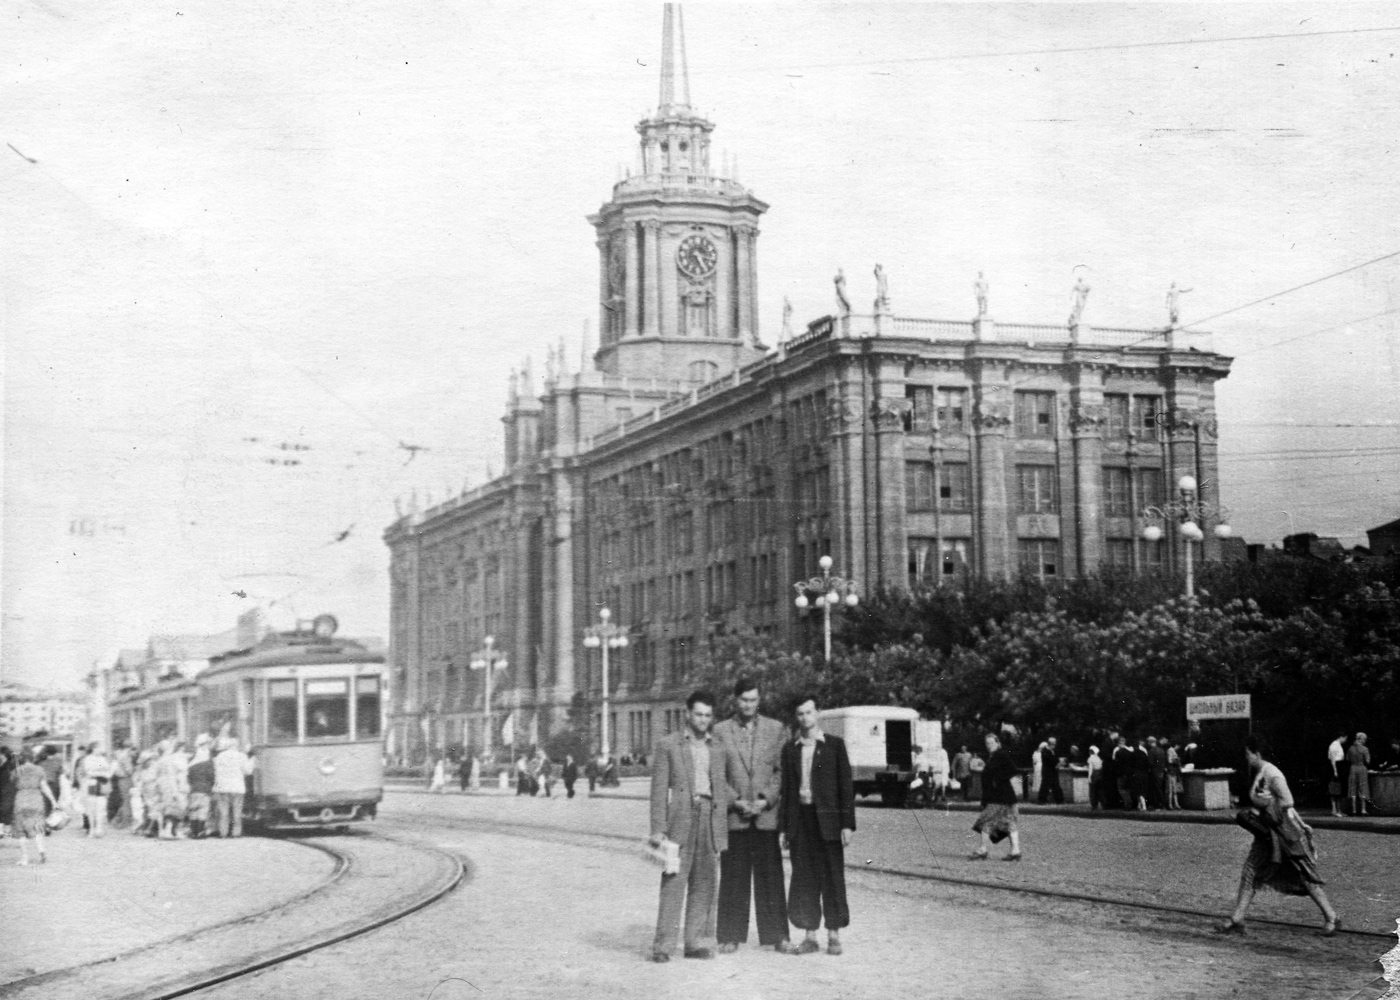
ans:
(753, 747)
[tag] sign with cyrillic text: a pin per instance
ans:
(1218, 706)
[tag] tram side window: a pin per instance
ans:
(327, 708)
(366, 706)
(282, 711)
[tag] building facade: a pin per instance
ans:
(691, 476)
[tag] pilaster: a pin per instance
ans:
(991, 419)
(1088, 416)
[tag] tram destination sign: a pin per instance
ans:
(1218, 706)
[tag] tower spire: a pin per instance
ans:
(672, 31)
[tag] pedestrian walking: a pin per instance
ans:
(1095, 764)
(173, 788)
(94, 778)
(464, 771)
(144, 796)
(523, 781)
(962, 770)
(123, 766)
(32, 791)
(938, 773)
(546, 775)
(1140, 775)
(437, 776)
(753, 748)
(1156, 772)
(201, 781)
(1282, 856)
(689, 806)
(817, 822)
(1050, 774)
(1172, 787)
(8, 765)
(231, 769)
(474, 780)
(50, 760)
(590, 771)
(1337, 763)
(569, 773)
(1358, 782)
(998, 819)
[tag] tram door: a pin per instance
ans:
(899, 744)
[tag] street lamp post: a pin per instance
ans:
(826, 592)
(1191, 513)
(605, 635)
(488, 659)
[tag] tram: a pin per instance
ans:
(309, 704)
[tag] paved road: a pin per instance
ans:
(1185, 865)
(560, 913)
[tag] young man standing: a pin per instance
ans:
(817, 820)
(689, 803)
(753, 748)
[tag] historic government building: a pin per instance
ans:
(691, 475)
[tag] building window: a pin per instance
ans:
(918, 486)
(1035, 414)
(955, 487)
(919, 416)
(1118, 557)
(1151, 487)
(1147, 415)
(1037, 489)
(1116, 406)
(952, 409)
(1154, 556)
(1117, 501)
(930, 565)
(1040, 558)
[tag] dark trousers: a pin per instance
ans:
(753, 856)
(1050, 788)
(818, 890)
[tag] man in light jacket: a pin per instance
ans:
(231, 769)
(753, 746)
(689, 806)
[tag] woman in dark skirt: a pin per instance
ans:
(998, 819)
(1282, 856)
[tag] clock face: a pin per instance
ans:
(696, 256)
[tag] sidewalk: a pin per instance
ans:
(98, 898)
(637, 788)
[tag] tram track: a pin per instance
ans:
(254, 942)
(614, 842)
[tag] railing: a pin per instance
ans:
(678, 181)
(933, 329)
(1032, 333)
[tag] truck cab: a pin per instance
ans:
(880, 741)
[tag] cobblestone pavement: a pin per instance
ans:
(96, 898)
(574, 918)
(1183, 865)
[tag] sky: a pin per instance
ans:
(241, 236)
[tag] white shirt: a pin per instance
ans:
(231, 766)
(1335, 753)
(809, 751)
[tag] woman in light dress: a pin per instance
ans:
(31, 791)
(173, 787)
(1282, 856)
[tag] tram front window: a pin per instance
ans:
(366, 707)
(327, 709)
(282, 711)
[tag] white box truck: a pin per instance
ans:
(879, 740)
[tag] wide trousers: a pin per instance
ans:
(818, 887)
(228, 814)
(753, 857)
(692, 888)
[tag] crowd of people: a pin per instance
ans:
(532, 773)
(166, 791)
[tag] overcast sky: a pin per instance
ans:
(233, 227)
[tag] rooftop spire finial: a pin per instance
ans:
(673, 25)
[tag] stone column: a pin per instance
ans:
(1087, 419)
(633, 306)
(844, 420)
(651, 323)
(992, 520)
(751, 251)
(604, 291)
(743, 245)
(888, 410)
(561, 557)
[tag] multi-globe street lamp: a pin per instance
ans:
(1191, 513)
(604, 636)
(828, 593)
(489, 659)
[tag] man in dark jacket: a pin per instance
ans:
(1050, 775)
(816, 820)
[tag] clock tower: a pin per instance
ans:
(676, 245)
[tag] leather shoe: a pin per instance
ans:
(833, 947)
(807, 947)
(728, 948)
(660, 956)
(699, 953)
